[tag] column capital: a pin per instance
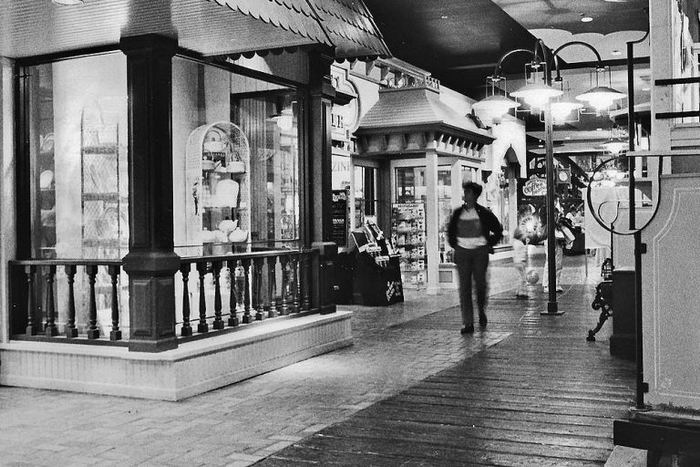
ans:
(135, 45)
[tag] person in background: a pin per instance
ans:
(520, 262)
(472, 232)
(563, 237)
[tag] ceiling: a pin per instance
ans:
(460, 42)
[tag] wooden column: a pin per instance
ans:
(316, 167)
(151, 262)
(431, 218)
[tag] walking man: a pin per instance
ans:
(472, 232)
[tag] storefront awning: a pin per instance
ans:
(419, 108)
(207, 27)
(346, 25)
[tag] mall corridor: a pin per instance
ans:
(411, 391)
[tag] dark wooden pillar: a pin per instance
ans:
(316, 167)
(151, 262)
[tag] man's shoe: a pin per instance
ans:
(521, 295)
(560, 290)
(467, 329)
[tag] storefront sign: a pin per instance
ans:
(535, 186)
(339, 217)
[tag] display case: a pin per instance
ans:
(408, 237)
(217, 166)
(103, 206)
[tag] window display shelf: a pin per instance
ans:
(408, 234)
(103, 206)
(217, 172)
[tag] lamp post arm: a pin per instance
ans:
(555, 54)
(497, 68)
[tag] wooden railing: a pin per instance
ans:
(34, 292)
(244, 288)
(85, 301)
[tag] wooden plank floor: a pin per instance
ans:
(542, 397)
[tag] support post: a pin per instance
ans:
(552, 306)
(432, 248)
(316, 167)
(151, 262)
(322, 271)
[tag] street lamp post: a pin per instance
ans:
(540, 96)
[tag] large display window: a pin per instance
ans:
(235, 161)
(77, 134)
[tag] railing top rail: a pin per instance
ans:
(675, 81)
(254, 255)
(664, 153)
(184, 259)
(66, 262)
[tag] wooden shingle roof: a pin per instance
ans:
(418, 107)
(346, 25)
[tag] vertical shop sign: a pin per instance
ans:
(339, 214)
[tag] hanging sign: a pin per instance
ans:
(535, 186)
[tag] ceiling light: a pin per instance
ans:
(68, 2)
(616, 53)
(586, 19)
(562, 110)
(600, 97)
(536, 95)
(444, 17)
(493, 107)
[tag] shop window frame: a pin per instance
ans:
(23, 185)
(303, 96)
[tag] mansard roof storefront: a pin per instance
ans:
(207, 27)
(412, 111)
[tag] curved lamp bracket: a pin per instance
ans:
(555, 54)
(596, 215)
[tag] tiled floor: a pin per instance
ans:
(248, 421)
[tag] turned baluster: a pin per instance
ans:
(233, 297)
(246, 291)
(295, 283)
(50, 328)
(216, 271)
(70, 329)
(305, 281)
(29, 272)
(284, 305)
(93, 332)
(115, 334)
(186, 326)
(257, 288)
(202, 326)
(271, 287)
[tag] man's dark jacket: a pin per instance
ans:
(491, 229)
